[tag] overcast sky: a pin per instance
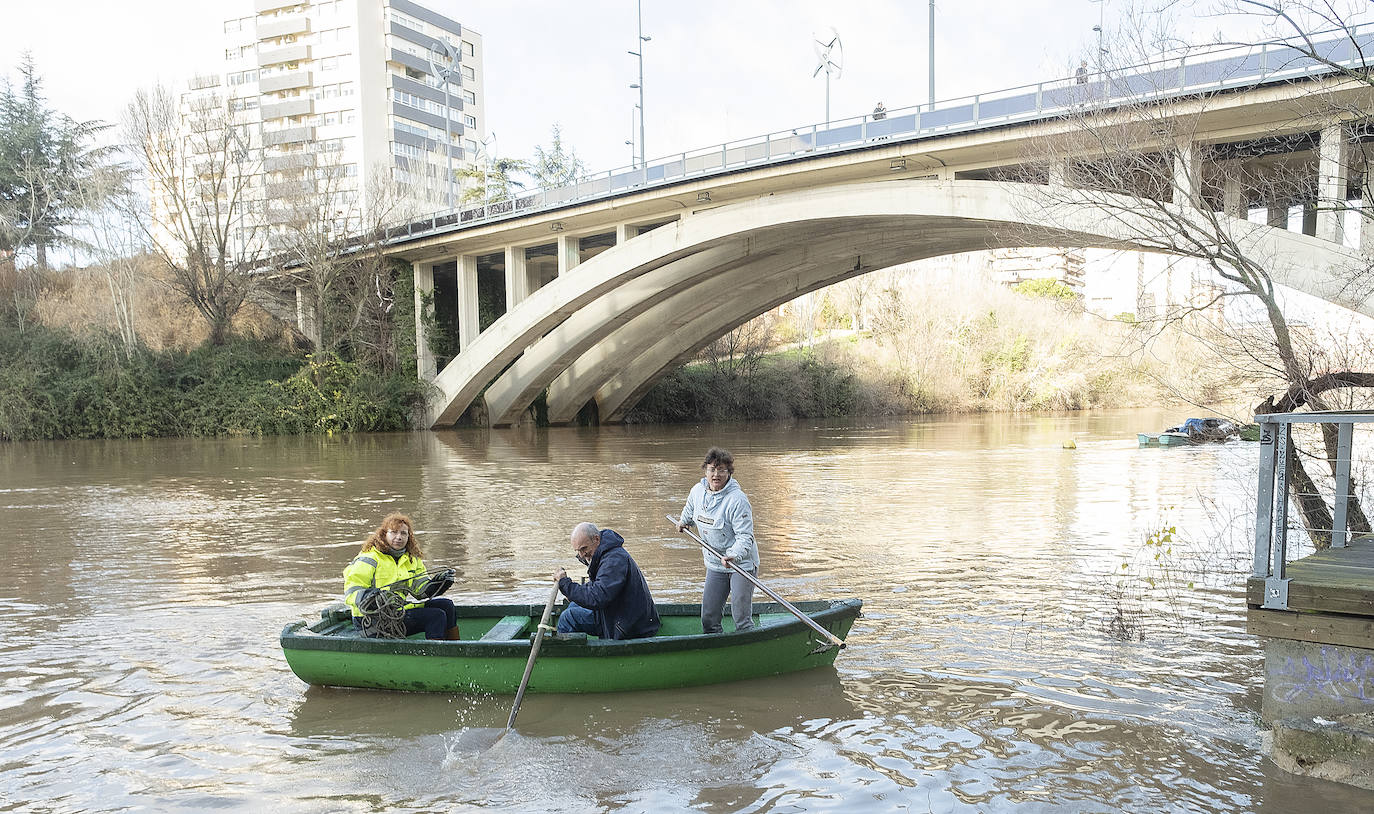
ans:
(715, 70)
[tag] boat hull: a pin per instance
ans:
(330, 653)
(1163, 439)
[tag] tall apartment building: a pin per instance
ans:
(336, 90)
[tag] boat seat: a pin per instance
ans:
(508, 628)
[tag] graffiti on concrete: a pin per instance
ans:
(1339, 674)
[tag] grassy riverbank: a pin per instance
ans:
(56, 385)
(959, 346)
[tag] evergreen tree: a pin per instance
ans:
(556, 166)
(45, 158)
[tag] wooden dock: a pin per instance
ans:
(1330, 598)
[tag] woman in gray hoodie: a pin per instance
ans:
(725, 521)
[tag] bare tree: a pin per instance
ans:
(108, 224)
(1154, 174)
(330, 246)
(203, 169)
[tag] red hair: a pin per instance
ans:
(393, 521)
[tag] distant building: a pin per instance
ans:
(337, 90)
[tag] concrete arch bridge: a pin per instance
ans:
(593, 297)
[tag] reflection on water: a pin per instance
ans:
(149, 580)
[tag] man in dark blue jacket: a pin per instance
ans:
(616, 603)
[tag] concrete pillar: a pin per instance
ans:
(569, 254)
(1277, 216)
(1187, 174)
(1059, 173)
(424, 310)
(1232, 192)
(467, 301)
(623, 232)
(306, 322)
(1331, 182)
(517, 280)
(1366, 219)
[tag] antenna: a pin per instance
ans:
(829, 58)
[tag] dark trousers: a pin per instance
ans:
(435, 618)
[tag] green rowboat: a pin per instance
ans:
(496, 644)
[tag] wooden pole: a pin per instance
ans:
(534, 654)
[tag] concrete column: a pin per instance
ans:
(1059, 173)
(424, 290)
(1232, 192)
(306, 322)
(569, 254)
(1277, 216)
(467, 301)
(1187, 174)
(1366, 219)
(517, 281)
(623, 232)
(1331, 182)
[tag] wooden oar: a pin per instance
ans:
(534, 654)
(831, 637)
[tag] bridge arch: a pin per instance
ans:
(621, 320)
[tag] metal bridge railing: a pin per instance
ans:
(1203, 71)
(1276, 490)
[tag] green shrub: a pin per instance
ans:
(54, 385)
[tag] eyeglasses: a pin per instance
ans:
(717, 470)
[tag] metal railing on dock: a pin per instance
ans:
(1278, 451)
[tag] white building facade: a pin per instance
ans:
(340, 91)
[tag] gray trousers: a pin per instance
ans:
(718, 586)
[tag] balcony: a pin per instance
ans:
(288, 107)
(263, 6)
(286, 53)
(285, 81)
(290, 135)
(270, 27)
(288, 163)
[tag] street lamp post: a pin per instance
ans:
(639, 6)
(1101, 48)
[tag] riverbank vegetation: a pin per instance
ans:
(924, 344)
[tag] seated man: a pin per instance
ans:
(616, 603)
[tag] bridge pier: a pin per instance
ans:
(468, 328)
(1333, 156)
(424, 290)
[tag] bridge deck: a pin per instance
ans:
(1330, 596)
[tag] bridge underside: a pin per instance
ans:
(607, 331)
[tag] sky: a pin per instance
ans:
(714, 70)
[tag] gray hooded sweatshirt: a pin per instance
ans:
(725, 521)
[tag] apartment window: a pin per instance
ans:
(331, 91)
(468, 49)
(230, 26)
(243, 77)
(412, 129)
(469, 97)
(329, 64)
(345, 88)
(411, 73)
(407, 21)
(469, 73)
(470, 121)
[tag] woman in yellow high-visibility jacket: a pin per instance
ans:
(391, 557)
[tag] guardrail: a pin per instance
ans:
(1272, 523)
(1205, 71)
